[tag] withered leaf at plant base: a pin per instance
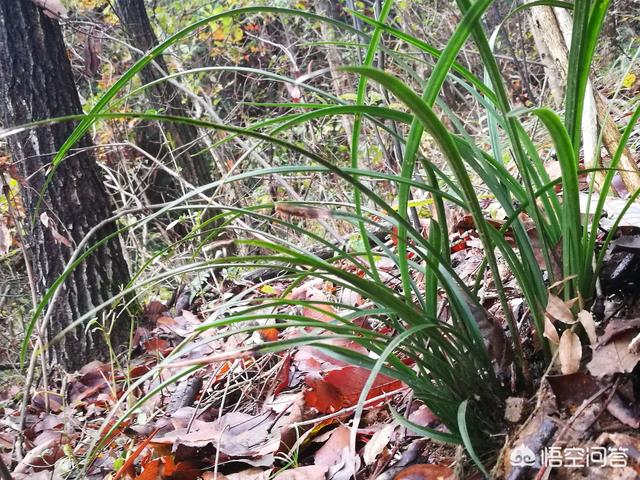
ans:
(555, 254)
(613, 356)
(550, 331)
(558, 310)
(423, 417)
(493, 335)
(234, 434)
(569, 352)
(586, 320)
(573, 389)
(341, 388)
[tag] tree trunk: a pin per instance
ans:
(36, 83)
(194, 165)
(551, 27)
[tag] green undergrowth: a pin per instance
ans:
(445, 360)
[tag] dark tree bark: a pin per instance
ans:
(36, 83)
(192, 158)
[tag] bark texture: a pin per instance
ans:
(194, 165)
(551, 29)
(36, 83)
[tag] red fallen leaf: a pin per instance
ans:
(159, 345)
(166, 468)
(394, 236)
(139, 370)
(153, 310)
(461, 245)
(423, 471)
(269, 334)
(132, 458)
(151, 471)
(164, 320)
(467, 223)
(341, 388)
(282, 379)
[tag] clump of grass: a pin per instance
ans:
(447, 362)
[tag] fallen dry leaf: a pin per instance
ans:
(424, 471)
(572, 390)
(377, 443)
(423, 417)
(617, 327)
(57, 236)
(613, 208)
(316, 311)
(312, 472)
(586, 320)
(42, 456)
(340, 388)
(569, 352)
(253, 473)
(550, 331)
(614, 356)
(235, 434)
(331, 452)
(557, 309)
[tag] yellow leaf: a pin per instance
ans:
(268, 289)
(629, 80)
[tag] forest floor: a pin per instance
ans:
(219, 411)
(294, 415)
